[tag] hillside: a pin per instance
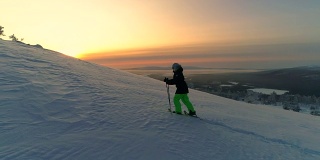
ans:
(57, 107)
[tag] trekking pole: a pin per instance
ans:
(169, 96)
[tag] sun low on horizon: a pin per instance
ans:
(148, 32)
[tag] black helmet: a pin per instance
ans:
(176, 66)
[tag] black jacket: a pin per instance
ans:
(178, 80)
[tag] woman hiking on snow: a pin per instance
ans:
(182, 90)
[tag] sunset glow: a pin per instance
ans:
(130, 33)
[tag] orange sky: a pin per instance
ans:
(218, 56)
(127, 33)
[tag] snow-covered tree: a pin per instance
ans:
(314, 99)
(273, 98)
(13, 38)
(1, 31)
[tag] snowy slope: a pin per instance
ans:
(57, 107)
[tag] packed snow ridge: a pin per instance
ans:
(57, 107)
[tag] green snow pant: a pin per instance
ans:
(185, 99)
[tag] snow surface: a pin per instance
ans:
(57, 107)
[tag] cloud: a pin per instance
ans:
(207, 55)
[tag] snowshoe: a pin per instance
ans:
(174, 111)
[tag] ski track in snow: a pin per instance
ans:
(57, 107)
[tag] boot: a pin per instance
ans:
(192, 113)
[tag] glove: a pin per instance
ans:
(165, 79)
